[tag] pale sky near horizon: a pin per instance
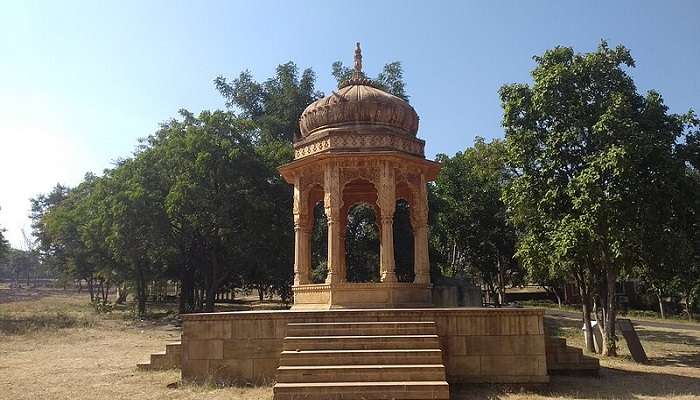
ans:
(81, 81)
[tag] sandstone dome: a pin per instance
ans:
(359, 101)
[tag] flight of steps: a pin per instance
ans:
(361, 360)
(169, 359)
(563, 359)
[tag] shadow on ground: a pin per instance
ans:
(612, 384)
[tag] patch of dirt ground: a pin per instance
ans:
(96, 358)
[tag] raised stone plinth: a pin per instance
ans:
(361, 295)
(478, 345)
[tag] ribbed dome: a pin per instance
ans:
(359, 102)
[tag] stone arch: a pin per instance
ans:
(404, 246)
(361, 242)
(360, 238)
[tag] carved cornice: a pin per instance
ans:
(343, 140)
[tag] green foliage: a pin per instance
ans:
(595, 167)
(471, 224)
(362, 244)
(200, 201)
(274, 105)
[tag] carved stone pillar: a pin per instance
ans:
(387, 205)
(302, 259)
(420, 235)
(306, 252)
(332, 205)
(342, 271)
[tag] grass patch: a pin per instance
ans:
(21, 323)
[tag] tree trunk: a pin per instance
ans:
(186, 290)
(661, 304)
(586, 310)
(91, 289)
(501, 281)
(211, 285)
(100, 289)
(140, 291)
(689, 305)
(557, 295)
(122, 294)
(105, 295)
(609, 345)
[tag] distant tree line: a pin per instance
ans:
(594, 183)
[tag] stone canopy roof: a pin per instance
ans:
(359, 101)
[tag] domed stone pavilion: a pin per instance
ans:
(359, 145)
(380, 339)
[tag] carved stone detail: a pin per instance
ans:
(359, 145)
(359, 141)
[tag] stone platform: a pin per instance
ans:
(361, 295)
(477, 344)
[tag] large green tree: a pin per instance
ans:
(593, 159)
(475, 232)
(274, 105)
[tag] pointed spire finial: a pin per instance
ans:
(357, 73)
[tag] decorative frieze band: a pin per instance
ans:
(360, 141)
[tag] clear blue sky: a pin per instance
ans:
(81, 81)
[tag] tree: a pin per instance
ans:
(477, 232)
(51, 250)
(687, 217)
(4, 244)
(591, 156)
(274, 105)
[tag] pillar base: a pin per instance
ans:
(361, 295)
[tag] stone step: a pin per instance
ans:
(358, 342)
(164, 361)
(174, 348)
(169, 359)
(354, 357)
(398, 390)
(143, 366)
(360, 373)
(361, 328)
(570, 355)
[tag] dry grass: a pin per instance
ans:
(63, 350)
(54, 346)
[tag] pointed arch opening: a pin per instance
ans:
(362, 244)
(404, 255)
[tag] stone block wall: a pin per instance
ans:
(479, 344)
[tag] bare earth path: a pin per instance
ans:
(94, 357)
(692, 326)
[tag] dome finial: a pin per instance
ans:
(357, 73)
